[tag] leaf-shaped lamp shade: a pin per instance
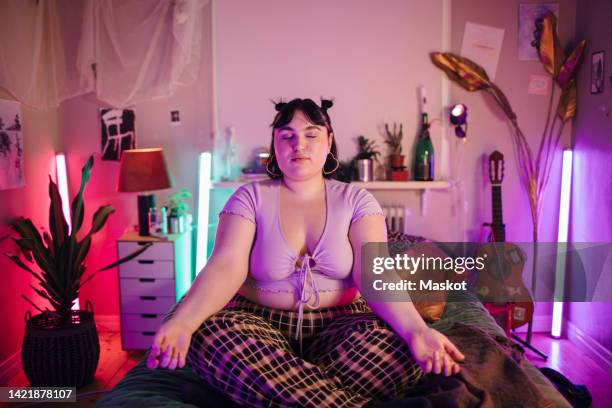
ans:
(463, 71)
(567, 102)
(570, 67)
(550, 51)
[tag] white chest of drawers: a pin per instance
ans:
(150, 284)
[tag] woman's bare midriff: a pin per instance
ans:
(288, 301)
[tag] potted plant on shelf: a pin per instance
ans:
(178, 210)
(60, 346)
(365, 158)
(393, 139)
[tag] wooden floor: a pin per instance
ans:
(573, 362)
(564, 357)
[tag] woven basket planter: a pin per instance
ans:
(56, 354)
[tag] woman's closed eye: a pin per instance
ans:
(288, 136)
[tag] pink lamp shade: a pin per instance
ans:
(143, 170)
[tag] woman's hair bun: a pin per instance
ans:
(326, 104)
(279, 105)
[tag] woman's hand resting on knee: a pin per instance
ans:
(434, 352)
(170, 345)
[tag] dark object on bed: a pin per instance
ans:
(578, 395)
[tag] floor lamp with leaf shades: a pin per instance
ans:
(144, 171)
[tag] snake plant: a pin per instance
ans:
(60, 255)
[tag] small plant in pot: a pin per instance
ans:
(393, 139)
(365, 157)
(178, 209)
(60, 346)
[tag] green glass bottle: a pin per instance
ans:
(424, 158)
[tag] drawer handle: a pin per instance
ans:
(148, 333)
(145, 261)
(142, 243)
(148, 297)
(148, 316)
(146, 279)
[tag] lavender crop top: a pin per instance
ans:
(275, 267)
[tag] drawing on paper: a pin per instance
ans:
(11, 146)
(118, 132)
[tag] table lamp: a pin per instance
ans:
(143, 171)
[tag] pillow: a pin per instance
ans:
(431, 307)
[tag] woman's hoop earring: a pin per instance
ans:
(335, 168)
(268, 168)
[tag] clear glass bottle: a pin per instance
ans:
(154, 220)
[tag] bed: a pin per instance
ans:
(170, 388)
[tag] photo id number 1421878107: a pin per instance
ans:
(37, 394)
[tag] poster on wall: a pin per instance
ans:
(597, 72)
(528, 14)
(118, 132)
(482, 44)
(11, 146)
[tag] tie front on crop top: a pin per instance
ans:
(274, 265)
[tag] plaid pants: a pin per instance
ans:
(247, 352)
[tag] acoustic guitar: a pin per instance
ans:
(500, 284)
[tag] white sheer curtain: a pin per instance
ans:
(141, 50)
(37, 50)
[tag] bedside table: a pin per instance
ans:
(150, 284)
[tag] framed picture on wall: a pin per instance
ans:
(597, 72)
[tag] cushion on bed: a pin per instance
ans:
(399, 243)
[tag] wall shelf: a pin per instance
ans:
(421, 187)
(372, 185)
(403, 185)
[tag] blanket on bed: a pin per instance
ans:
(491, 376)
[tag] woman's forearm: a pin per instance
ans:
(212, 289)
(403, 317)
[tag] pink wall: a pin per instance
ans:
(591, 214)
(371, 57)
(366, 56)
(31, 201)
